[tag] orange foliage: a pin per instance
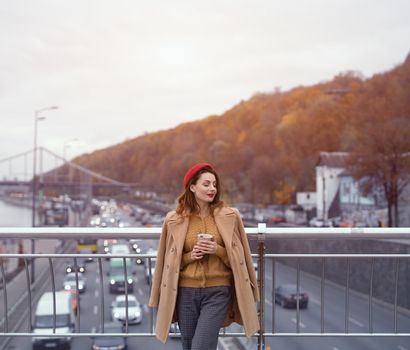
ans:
(260, 144)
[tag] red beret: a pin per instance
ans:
(193, 170)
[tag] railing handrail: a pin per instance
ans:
(261, 233)
(305, 255)
(153, 232)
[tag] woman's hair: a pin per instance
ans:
(187, 203)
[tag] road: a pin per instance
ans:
(334, 307)
(285, 319)
(90, 311)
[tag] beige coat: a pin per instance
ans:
(165, 280)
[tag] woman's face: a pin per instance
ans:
(205, 188)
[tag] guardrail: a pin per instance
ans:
(260, 234)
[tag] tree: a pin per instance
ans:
(382, 158)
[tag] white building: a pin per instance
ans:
(307, 200)
(338, 194)
(328, 169)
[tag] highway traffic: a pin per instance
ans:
(285, 318)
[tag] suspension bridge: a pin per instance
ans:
(62, 177)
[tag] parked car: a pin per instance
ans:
(286, 296)
(277, 219)
(317, 222)
(71, 283)
(119, 307)
(110, 343)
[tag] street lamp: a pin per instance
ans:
(37, 118)
(67, 144)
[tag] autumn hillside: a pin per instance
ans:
(265, 148)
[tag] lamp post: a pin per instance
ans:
(37, 118)
(67, 144)
(324, 193)
(69, 189)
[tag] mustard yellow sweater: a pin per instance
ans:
(214, 269)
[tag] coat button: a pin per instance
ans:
(241, 262)
(233, 244)
(247, 280)
(164, 285)
(167, 266)
(172, 250)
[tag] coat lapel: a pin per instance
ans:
(178, 229)
(225, 221)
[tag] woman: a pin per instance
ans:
(204, 284)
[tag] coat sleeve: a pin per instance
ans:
(248, 256)
(159, 266)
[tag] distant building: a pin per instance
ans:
(328, 169)
(339, 195)
(307, 200)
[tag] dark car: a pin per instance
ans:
(140, 246)
(70, 267)
(108, 343)
(286, 296)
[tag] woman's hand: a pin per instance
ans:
(196, 253)
(207, 247)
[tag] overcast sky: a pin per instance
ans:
(118, 69)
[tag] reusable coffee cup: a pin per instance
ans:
(205, 237)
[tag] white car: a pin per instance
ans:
(118, 310)
(71, 284)
(316, 222)
(123, 249)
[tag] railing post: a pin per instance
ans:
(261, 282)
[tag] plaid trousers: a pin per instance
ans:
(201, 312)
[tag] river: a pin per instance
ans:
(14, 216)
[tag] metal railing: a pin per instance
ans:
(261, 235)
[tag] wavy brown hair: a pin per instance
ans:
(187, 203)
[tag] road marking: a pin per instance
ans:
(93, 330)
(400, 347)
(136, 279)
(96, 293)
(301, 324)
(335, 348)
(268, 302)
(95, 309)
(140, 292)
(356, 322)
(97, 280)
(145, 307)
